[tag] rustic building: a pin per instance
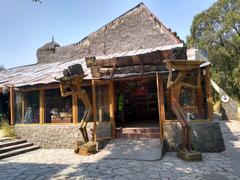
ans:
(124, 64)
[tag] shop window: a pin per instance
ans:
(58, 109)
(81, 107)
(27, 107)
(102, 103)
(191, 100)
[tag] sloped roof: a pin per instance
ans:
(138, 28)
(38, 73)
(45, 73)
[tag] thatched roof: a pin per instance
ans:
(138, 28)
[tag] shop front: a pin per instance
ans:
(137, 104)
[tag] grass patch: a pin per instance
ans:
(5, 129)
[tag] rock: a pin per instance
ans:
(87, 148)
(189, 156)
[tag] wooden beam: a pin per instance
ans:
(141, 69)
(75, 108)
(135, 77)
(112, 72)
(12, 112)
(199, 99)
(123, 61)
(94, 108)
(55, 85)
(184, 65)
(111, 107)
(161, 110)
(41, 107)
(209, 94)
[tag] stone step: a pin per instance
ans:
(18, 151)
(5, 139)
(14, 147)
(12, 143)
(138, 130)
(138, 135)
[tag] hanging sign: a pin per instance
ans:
(140, 91)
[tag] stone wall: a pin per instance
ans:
(51, 136)
(206, 136)
(60, 136)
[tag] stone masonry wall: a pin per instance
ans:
(51, 136)
(206, 136)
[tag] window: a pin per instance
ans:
(27, 107)
(81, 107)
(102, 103)
(58, 109)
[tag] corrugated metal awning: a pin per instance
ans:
(38, 73)
(45, 73)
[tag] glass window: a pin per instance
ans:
(102, 103)
(192, 101)
(81, 107)
(27, 107)
(58, 109)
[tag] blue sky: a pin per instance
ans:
(25, 26)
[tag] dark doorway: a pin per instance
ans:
(4, 106)
(137, 104)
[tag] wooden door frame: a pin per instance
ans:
(111, 105)
(161, 109)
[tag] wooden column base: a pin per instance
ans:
(189, 156)
(86, 149)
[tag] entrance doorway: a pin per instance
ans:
(137, 104)
(4, 106)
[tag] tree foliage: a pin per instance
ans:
(217, 30)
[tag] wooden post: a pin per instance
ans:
(209, 94)
(23, 107)
(100, 109)
(75, 108)
(12, 112)
(161, 110)
(199, 100)
(41, 107)
(94, 108)
(111, 107)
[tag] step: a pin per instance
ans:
(6, 139)
(18, 151)
(14, 147)
(138, 135)
(11, 143)
(138, 130)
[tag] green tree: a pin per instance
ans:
(217, 30)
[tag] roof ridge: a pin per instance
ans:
(135, 7)
(160, 22)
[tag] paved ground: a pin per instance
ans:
(133, 149)
(64, 164)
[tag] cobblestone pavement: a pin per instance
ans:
(64, 164)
